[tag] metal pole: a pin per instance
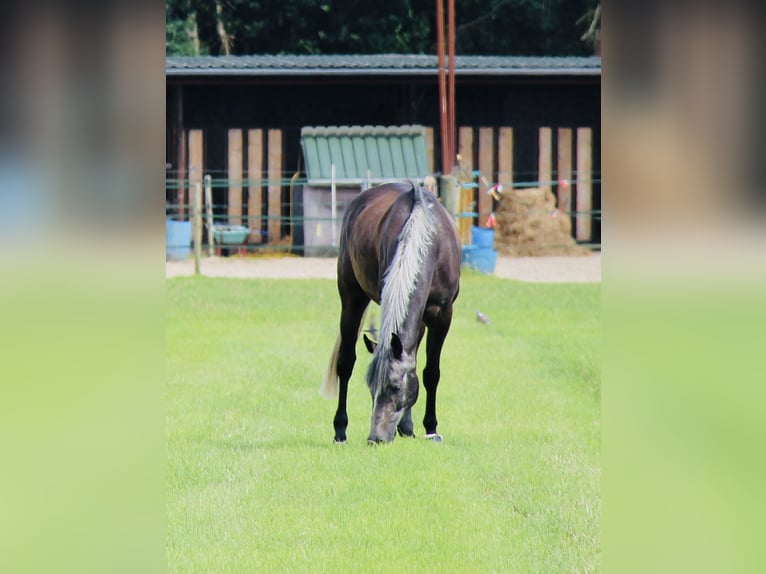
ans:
(451, 82)
(446, 163)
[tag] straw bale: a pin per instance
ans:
(530, 225)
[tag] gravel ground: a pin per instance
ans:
(586, 269)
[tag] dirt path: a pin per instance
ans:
(534, 269)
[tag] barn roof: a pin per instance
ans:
(378, 64)
(364, 153)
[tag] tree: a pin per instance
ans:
(532, 27)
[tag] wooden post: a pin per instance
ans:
(275, 184)
(564, 170)
(505, 158)
(209, 215)
(333, 206)
(196, 150)
(428, 134)
(544, 160)
(486, 168)
(197, 225)
(449, 194)
(583, 198)
(254, 180)
(181, 154)
(467, 195)
(235, 177)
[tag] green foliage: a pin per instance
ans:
(533, 27)
(255, 483)
(179, 40)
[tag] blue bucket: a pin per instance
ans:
(481, 237)
(178, 235)
(481, 259)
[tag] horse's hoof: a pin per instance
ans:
(433, 437)
(339, 440)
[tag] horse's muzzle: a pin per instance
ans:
(384, 428)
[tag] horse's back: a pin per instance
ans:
(371, 226)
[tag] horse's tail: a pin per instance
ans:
(329, 387)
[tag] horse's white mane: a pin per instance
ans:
(399, 282)
(402, 275)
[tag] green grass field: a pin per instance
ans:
(255, 483)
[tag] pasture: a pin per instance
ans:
(256, 484)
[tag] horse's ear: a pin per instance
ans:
(370, 344)
(396, 346)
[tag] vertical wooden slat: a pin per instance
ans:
(486, 168)
(254, 179)
(505, 158)
(196, 155)
(275, 186)
(467, 194)
(181, 152)
(545, 159)
(564, 169)
(583, 198)
(428, 134)
(235, 177)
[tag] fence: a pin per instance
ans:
(255, 192)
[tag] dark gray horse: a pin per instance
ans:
(398, 247)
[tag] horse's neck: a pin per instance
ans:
(409, 329)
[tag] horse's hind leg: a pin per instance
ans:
(351, 315)
(437, 333)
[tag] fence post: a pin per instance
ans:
(505, 158)
(564, 171)
(254, 184)
(486, 166)
(275, 184)
(235, 177)
(583, 199)
(467, 202)
(197, 214)
(209, 213)
(544, 161)
(195, 155)
(449, 193)
(333, 205)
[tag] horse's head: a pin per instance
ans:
(394, 387)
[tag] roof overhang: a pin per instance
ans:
(385, 65)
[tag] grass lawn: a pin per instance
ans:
(255, 483)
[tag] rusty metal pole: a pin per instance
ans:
(446, 163)
(451, 82)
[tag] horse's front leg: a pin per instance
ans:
(350, 318)
(437, 333)
(405, 426)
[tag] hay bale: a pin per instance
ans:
(529, 225)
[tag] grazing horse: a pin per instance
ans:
(398, 247)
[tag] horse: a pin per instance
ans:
(400, 248)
